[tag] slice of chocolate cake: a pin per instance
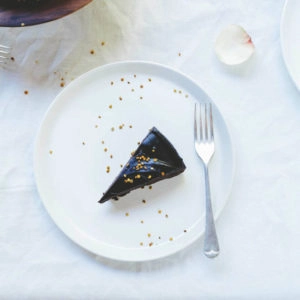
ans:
(155, 159)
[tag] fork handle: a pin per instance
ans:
(211, 244)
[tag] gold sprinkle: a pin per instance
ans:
(186, 96)
(179, 91)
(99, 117)
(130, 126)
(149, 176)
(167, 216)
(171, 239)
(138, 143)
(62, 84)
(141, 86)
(132, 90)
(128, 82)
(83, 143)
(127, 214)
(110, 106)
(26, 92)
(105, 149)
(142, 222)
(175, 91)
(121, 166)
(102, 142)
(111, 83)
(111, 156)
(150, 187)
(138, 176)
(163, 173)
(184, 230)
(92, 52)
(144, 201)
(149, 235)
(102, 43)
(96, 126)
(141, 243)
(120, 98)
(150, 244)
(121, 126)
(51, 152)
(141, 98)
(134, 75)
(22, 24)
(112, 129)
(159, 237)
(179, 54)
(124, 175)
(159, 211)
(153, 150)
(122, 79)
(149, 79)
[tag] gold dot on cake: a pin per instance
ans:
(167, 216)
(132, 90)
(99, 117)
(96, 126)
(134, 75)
(141, 98)
(51, 152)
(26, 92)
(92, 52)
(120, 98)
(111, 156)
(141, 86)
(142, 222)
(112, 129)
(149, 235)
(105, 149)
(144, 201)
(83, 143)
(180, 92)
(186, 96)
(130, 126)
(184, 230)
(141, 244)
(150, 244)
(102, 43)
(127, 214)
(149, 79)
(121, 166)
(179, 54)
(159, 211)
(122, 79)
(150, 187)
(170, 239)
(111, 83)
(110, 106)
(175, 91)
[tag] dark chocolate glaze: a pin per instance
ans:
(155, 159)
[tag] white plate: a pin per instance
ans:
(72, 178)
(290, 38)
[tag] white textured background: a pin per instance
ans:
(259, 230)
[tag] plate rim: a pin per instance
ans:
(61, 225)
(283, 45)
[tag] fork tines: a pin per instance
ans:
(203, 117)
(4, 53)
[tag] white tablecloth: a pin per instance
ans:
(259, 229)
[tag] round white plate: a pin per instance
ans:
(290, 41)
(71, 161)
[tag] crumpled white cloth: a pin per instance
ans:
(259, 228)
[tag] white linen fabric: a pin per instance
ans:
(259, 229)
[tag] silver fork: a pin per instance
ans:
(205, 148)
(4, 53)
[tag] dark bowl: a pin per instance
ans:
(17, 13)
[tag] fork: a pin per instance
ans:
(205, 148)
(4, 53)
